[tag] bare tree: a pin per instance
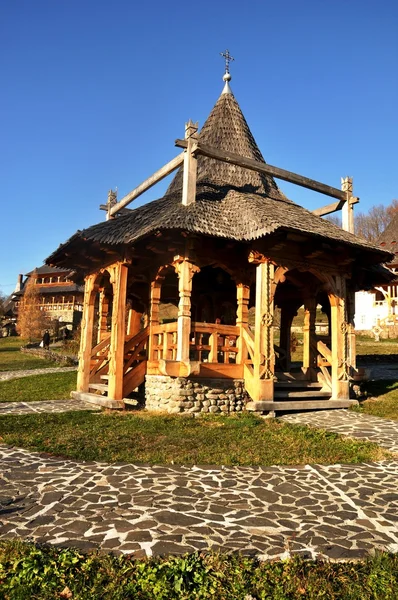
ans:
(371, 225)
(3, 299)
(32, 320)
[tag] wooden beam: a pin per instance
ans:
(148, 183)
(331, 208)
(118, 277)
(254, 165)
(190, 165)
(347, 217)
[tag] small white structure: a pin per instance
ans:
(377, 309)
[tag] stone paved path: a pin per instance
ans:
(44, 406)
(345, 422)
(6, 375)
(340, 511)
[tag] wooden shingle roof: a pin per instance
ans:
(226, 129)
(231, 202)
(389, 237)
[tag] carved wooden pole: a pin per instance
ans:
(86, 338)
(340, 364)
(352, 342)
(348, 206)
(154, 301)
(264, 357)
(133, 322)
(309, 354)
(185, 271)
(103, 310)
(287, 316)
(118, 277)
(242, 318)
(190, 165)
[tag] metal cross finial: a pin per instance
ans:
(228, 59)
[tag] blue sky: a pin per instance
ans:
(94, 93)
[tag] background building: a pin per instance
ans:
(58, 295)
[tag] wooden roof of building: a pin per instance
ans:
(389, 238)
(231, 202)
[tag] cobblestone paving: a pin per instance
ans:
(356, 425)
(6, 375)
(44, 406)
(340, 512)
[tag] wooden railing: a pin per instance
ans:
(214, 343)
(135, 358)
(324, 362)
(135, 350)
(248, 339)
(164, 341)
(99, 358)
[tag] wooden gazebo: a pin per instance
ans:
(223, 239)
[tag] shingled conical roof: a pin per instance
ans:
(226, 129)
(231, 202)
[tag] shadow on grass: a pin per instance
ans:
(379, 388)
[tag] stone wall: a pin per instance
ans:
(50, 355)
(190, 395)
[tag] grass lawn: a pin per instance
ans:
(48, 386)
(383, 401)
(12, 359)
(367, 345)
(29, 572)
(166, 439)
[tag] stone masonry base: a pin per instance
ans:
(191, 395)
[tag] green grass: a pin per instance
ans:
(383, 400)
(29, 572)
(12, 359)
(167, 439)
(367, 346)
(48, 386)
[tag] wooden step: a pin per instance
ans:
(297, 384)
(299, 405)
(103, 387)
(105, 377)
(98, 400)
(301, 394)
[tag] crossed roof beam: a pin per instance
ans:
(193, 148)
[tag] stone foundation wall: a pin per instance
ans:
(189, 395)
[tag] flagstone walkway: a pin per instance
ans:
(44, 406)
(339, 511)
(350, 423)
(6, 375)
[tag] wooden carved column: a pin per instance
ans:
(264, 357)
(242, 319)
(118, 278)
(185, 271)
(133, 322)
(154, 301)
(103, 316)
(86, 338)
(339, 337)
(309, 339)
(352, 343)
(287, 316)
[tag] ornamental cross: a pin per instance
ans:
(228, 59)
